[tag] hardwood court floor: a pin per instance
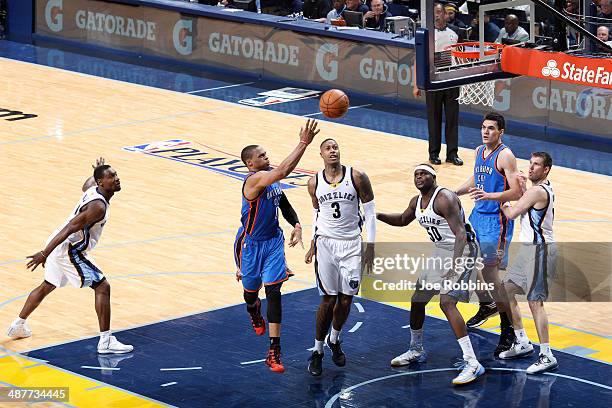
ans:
(167, 248)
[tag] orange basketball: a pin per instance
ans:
(334, 103)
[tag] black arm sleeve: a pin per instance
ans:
(288, 212)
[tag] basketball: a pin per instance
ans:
(334, 103)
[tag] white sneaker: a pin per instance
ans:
(414, 354)
(544, 363)
(471, 371)
(113, 346)
(19, 330)
(517, 350)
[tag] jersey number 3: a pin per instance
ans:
(336, 207)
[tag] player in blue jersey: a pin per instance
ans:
(259, 245)
(495, 181)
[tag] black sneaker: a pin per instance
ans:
(338, 356)
(315, 365)
(506, 340)
(485, 311)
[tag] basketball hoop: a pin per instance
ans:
(468, 53)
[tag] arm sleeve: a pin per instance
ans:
(369, 210)
(287, 210)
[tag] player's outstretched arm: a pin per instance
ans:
(262, 179)
(400, 220)
(531, 198)
(90, 182)
(92, 213)
(312, 186)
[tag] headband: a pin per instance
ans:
(425, 168)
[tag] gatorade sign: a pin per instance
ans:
(558, 66)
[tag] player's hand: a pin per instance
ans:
(309, 132)
(522, 179)
(416, 92)
(238, 275)
(309, 254)
(99, 162)
(478, 194)
(36, 259)
(296, 236)
(367, 258)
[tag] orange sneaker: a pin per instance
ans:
(273, 360)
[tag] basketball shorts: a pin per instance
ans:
(434, 274)
(533, 270)
(338, 265)
(260, 261)
(65, 265)
(494, 233)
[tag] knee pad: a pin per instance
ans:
(275, 310)
(251, 299)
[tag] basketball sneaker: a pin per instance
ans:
(544, 363)
(413, 355)
(113, 346)
(506, 340)
(517, 350)
(257, 320)
(472, 369)
(19, 330)
(315, 364)
(338, 356)
(273, 360)
(485, 311)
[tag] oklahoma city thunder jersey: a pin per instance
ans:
(260, 216)
(488, 178)
(536, 225)
(87, 238)
(338, 215)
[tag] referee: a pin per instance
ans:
(445, 99)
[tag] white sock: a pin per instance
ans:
(19, 320)
(521, 336)
(545, 349)
(466, 347)
(105, 336)
(334, 335)
(318, 346)
(416, 337)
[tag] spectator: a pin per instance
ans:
(356, 5)
(491, 30)
(603, 33)
(605, 7)
(442, 100)
(451, 13)
(375, 18)
(316, 9)
(336, 12)
(512, 31)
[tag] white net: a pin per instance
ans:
(479, 93)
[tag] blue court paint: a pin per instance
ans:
(579, 350)
(221, 341)
(402, 120)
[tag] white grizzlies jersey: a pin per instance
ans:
(437, 227)
(87, 238)
(537, 225)
(338, 215)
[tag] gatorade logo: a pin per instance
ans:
(326, 63)
(551, 69)
(182, 36)
(54, 16)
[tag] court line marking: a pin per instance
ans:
(333, 399)
(170, 383)
(180, 368)
(95, 388)
(235, 104)
(406, 326)
(217, 87)
(102, 368)
(359, 307)
(253, 362)
(350, 107)
(355, 327)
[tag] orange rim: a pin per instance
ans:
(494, 48)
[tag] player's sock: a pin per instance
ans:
(19, 320)
(521, 336)
(105, 336)
(505, 322)
(545, 349)
(416, 338)
(274, 342)
(334, 335)
(466, 347)
(318, 346)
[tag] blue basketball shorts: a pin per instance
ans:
(260, 261)
(494, 233)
